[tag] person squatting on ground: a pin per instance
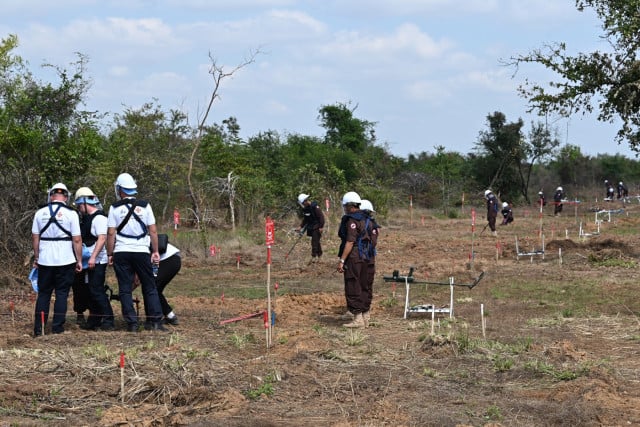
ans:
(492, 210)
(57, 249)
(355, 251)
(507, 214)
(558, 196)
(131, 227)
(93, 226)
(313, 219)
(623, 192)
(610, 190)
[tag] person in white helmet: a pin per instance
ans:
(558, 197)
(313, 222)
(131, 233)
(542, 202)
(507, 214)
(492, 210)
(93, 225)
(355, 251)
(623, 192)
(57, 248)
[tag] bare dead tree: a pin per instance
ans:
(218, 74)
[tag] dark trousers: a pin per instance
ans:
(50, 279)
(100, 311)
(81, 293)
(316, 248)
(125, 265)
(371, 274)
(166, 272)
(356, 285)
(492, 222)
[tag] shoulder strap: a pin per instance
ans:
(53, 220)
(132, 204)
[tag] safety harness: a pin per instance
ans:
(53, 220)
(131, 205)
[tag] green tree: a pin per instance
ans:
(45, 137)
(501, 152)
(601, 81)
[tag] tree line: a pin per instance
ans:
(217, 179)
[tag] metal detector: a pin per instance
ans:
(410, 280)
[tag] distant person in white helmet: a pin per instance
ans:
(57, 249)
(313, 222)
(623, 192)
(492, 210)
(542, 202)
(558, 197)
(131, 235)
(507, 214)
(610, 192)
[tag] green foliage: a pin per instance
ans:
(265, 389)
(604, 82)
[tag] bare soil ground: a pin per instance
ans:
(560, 344)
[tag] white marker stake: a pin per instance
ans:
(482, 320)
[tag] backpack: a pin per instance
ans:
(364, 242)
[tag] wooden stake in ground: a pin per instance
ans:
(484, 335)
(12, 310)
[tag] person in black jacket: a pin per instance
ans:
(507, 214)
(313, 220)
(558, 196)
(492, 210)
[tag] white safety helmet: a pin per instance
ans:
(620, 183)
(486, 193)
(58, 188)
(559, 189)
(366, 205)
(126, 184)
(302, 197)
(86, 195)
(505, 204)
(351, 198)
(540, 193)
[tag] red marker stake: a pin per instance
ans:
(12, 310)
(42, 321)
(122, 376)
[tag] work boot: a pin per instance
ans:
(172, 320)
(366, 316)
(80, 320)
(358, 322)
(494, 233)
(347, 315)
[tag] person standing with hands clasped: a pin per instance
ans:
(93, 225)
(57, 249)
(313, 220)
(131, 227)
(354, 252)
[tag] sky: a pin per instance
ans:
(426, 72)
